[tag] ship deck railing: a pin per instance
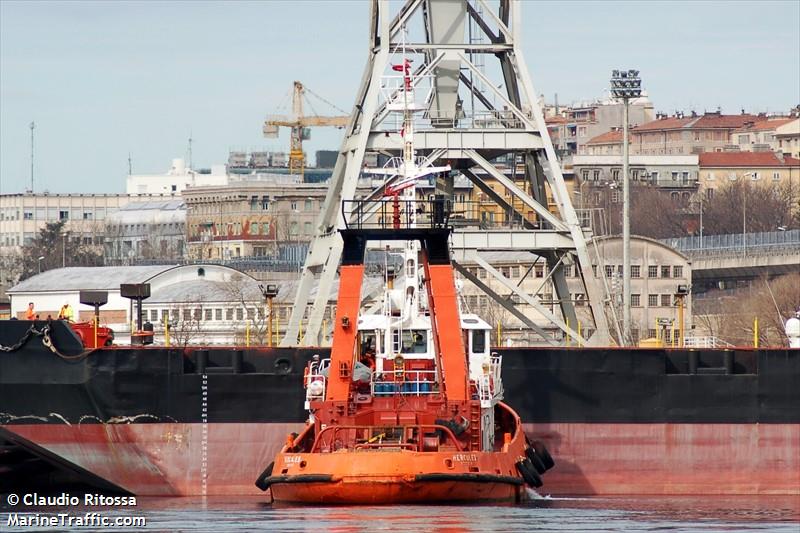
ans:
(412, 437)
(405, 382)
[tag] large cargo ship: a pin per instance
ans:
(194, 421)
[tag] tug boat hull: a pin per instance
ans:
(390, 477)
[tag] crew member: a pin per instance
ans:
(66, 312)
(30, 314)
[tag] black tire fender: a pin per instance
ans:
(261, 482)
(535, 461)
(528, 473)
(544, 455)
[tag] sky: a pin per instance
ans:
(102, 80)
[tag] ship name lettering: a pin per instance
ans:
(465, 458)
(290, 459)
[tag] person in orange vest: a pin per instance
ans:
(30, 314)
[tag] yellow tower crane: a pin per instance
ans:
(301, 126)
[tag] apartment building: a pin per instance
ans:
(788, 138)
(572, 127)
(683, 135)
(769, 168)
(760, 136)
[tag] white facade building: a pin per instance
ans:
(176, 179)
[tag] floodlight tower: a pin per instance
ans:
(626, 84)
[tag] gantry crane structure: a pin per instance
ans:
(476, 114)
(300, 125)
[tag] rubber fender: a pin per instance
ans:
(535, 461)
(261, 481)
(544, 455)
(528, 473)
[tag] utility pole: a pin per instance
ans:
(33, 125)
(626, 84)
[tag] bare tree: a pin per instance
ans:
(732, 316)
(740, 206)
(185, 322)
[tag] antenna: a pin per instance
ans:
(130, 164)
(190, 150)
(33, 125)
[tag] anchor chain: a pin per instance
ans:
(44, 333)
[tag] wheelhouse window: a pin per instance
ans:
(478, 341)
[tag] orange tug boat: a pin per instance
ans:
(423, 432)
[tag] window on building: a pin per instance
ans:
(580, 299)
(293, 228)
(229, 314)
(481, 274)
(744, 139)
(609, 270)
(239, 313)
(208, 314)
(732, 176)
(27, 215)
(776, 176)
(651, 333)
(505, 271)
(595, 175)
(666, 300)
(539, 271)
(710, 176)
(652, 271)
(293, 205)
(675, 176)
(63, 215)
(665, 270)
(515, 271)
(636, 271)
(187, 314)
(616, 196)
(615, 174)
(755, 176)
(307, 228)
(635, 300)
(652, 300)
(308, 205)
(685, 177)
(217, 314)
(585, 174)
(154, 315)
(677, 271)
(594, 270)
(654, 176)
(709, 193)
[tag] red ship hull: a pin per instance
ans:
(166, 459)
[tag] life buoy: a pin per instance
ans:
(544, 455)
(528, 473)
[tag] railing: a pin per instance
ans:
(405, 382)
(417, 437)
(316, 381)
(490, 382)
(736, 242)
(705, 342)
(394, 213)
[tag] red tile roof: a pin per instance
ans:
(745, 159)
(713, 120)
(609, 137)
(766, 125)
(707, 121)
(669, 123)
(555, 119)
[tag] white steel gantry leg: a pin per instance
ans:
(500, 122)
